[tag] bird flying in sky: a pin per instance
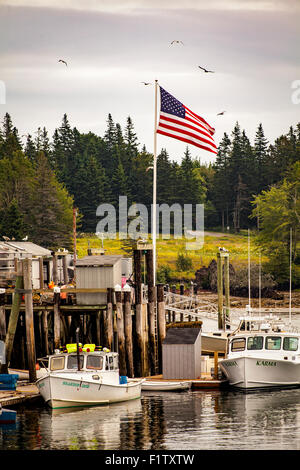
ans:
(205, 70)
(221, 114)
(146, 83)
(177, 42)
(63, 62)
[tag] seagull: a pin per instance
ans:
(63, 62)
(177, 42)
(221, 114)
(205, 70)
(6, 238)
(146, 83)
(25, 239)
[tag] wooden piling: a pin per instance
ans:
(139, 356)
(151, 313)
(227, 290)
(65, 269)
(161, 322)
(128, 333)
(220, 290)
(121, 333)
(45, 332)
(54, 269)
(41, 273)
(29, 322)
(56, 319)
(13, 318)
(108, 320)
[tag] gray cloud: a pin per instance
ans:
(254, 52)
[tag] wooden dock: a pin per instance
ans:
(25, 394)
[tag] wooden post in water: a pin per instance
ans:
(41, 273)
(56, 317)
(54, 269)
(108, 320)
(13, 318)
(2, 323)
(220, 290)
(227, 290)
(29, 323)
(139, 356)
(161, 322)
(45, 331)
(151, 313)
(65, 269)
(128, 332)
(120, 330)
(216, 359)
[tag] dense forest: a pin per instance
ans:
(42, 179)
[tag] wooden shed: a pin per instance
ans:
(181, 353)
(99, 272)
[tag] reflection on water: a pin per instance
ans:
(189, 420)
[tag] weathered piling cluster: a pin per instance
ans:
(131, 320)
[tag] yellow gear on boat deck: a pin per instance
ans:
(72, 347)
(89, 347)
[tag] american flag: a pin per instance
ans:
(179, 122)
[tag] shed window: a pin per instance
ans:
(94, 362)
(72, 362)
(255, 342)
(57, 363)
(273, 342)
(290, 344)
(238, 344)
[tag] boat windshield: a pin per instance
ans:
(255, 342)
(273, 342)
(94, 362)
(238, 344)
(72, 361)
(57, 363)
(290, 343)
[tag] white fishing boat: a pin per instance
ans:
(165, 385)
(263, 352)
(85, 377)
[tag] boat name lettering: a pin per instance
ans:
(266, 363)
(74, 384)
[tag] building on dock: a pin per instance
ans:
(44, 266)
(105, 271)
(181, 353)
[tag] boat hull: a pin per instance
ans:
(61, 391)
(246, 372)
(165, 386)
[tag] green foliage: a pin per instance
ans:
(184, 262)
(164, 274)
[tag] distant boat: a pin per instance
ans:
(165, 386)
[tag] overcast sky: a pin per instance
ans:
(112, 46)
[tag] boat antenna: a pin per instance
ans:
(259, 283)
(290, 299)
(77, 348)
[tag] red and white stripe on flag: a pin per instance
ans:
(179, 122)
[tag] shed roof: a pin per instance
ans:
(182, 335)
(25, 247)
(101, 260)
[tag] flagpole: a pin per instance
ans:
(154, 186)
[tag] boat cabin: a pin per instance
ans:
(264, 342)
(88, 362)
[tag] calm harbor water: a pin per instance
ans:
(191, 420)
